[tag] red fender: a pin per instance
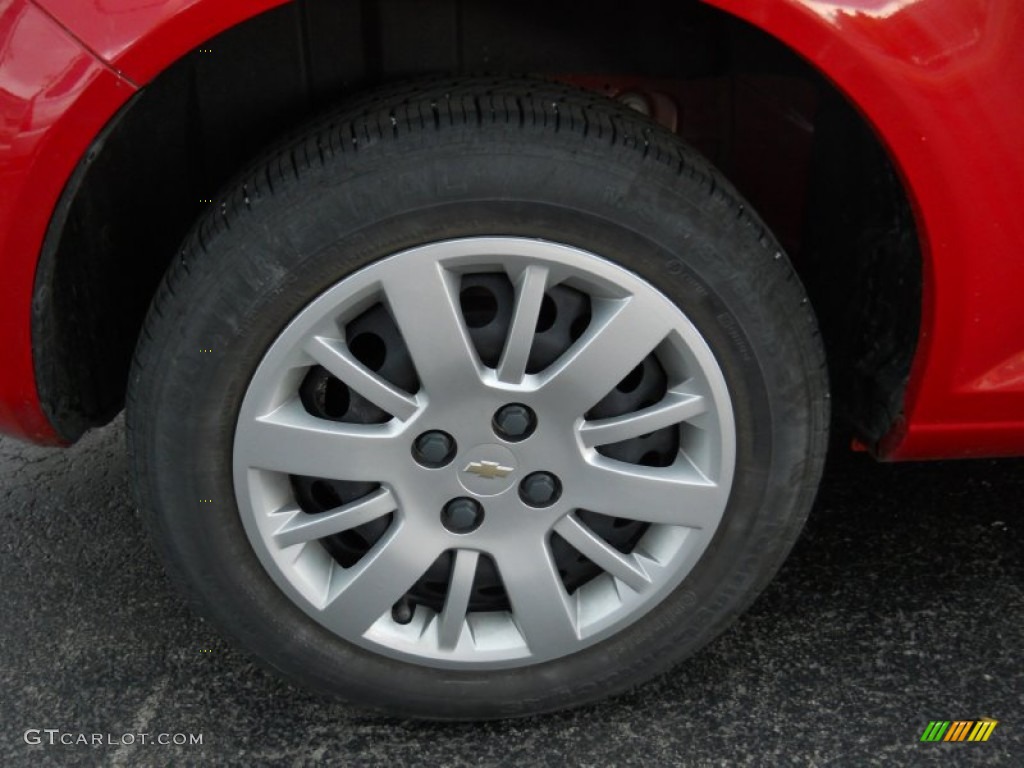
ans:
(937, 79)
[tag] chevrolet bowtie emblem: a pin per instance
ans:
(488, 469)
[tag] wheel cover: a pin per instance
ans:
(375, 598)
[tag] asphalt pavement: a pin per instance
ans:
(902, 603)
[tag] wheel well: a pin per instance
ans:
(787, 139)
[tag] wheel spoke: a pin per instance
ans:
(425, 305)
(676, 407)
(335, 356)
(529, 294)
(602, 554)
(668, 495)
(361, 594)
(607, 352)
(304, 527)
(541, 608)
(293, 441)
(453, 617)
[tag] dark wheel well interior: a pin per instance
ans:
(788, 140)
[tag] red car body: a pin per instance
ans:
(939, 81)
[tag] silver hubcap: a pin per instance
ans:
(532, 608)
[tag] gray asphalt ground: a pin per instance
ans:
(901, 603)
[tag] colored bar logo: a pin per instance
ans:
(959, 730)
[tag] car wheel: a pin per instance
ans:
(478, 398)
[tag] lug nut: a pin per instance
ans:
(462, 515)
(514, 422)
(540, 489)
(434, 449)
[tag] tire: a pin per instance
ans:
(397, 236)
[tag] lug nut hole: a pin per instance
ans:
(462, 515)
(434, 449)
(514, 422)
(540, 489)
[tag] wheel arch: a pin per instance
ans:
(177, 112)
